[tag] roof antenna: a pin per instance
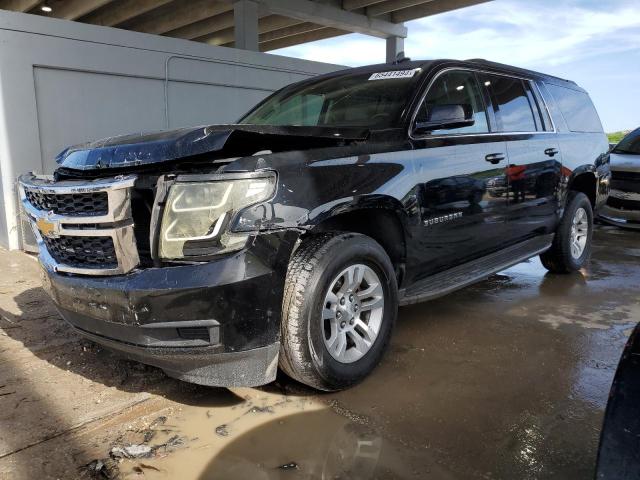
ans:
(400, 58)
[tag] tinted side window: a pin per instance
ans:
(577, 109)
(456, 88)
(511, 103)
(550, 103)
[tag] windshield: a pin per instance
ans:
(368, 100)
(629, 144)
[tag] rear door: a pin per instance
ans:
(534, 159)
(461, 217)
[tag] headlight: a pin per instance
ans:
(197, 215)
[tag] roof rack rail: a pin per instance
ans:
(489, 63)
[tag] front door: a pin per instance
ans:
(461, 181)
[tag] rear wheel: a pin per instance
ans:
(339, 308)
(572, 244)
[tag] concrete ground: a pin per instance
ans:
(505, 379)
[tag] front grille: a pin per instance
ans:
(622, 204)
(74, 204)
(141, 207)
(623, 175)
(83, 252)
(625, 181)
(82, 227)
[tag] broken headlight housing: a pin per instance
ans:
(198, 214)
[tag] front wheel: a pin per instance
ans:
(572, 244)
(338, 311)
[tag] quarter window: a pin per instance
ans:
(456, 88)
(512, 104)
(577, 109)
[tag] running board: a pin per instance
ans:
(458, 277)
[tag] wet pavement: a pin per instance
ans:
(505, 379)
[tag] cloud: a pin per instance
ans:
(589, 41)
(534, 35)
(531, 34)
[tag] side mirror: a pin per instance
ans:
(446, 116)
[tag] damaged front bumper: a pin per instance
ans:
(214, 323)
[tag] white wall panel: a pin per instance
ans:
(74, 107)
(63, 83)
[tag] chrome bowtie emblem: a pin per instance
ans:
(47, 227)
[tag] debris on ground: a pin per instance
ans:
(356, 418)
(149, 433)
(132, 451)
(161, 420)
(140, 468)
(171, 444)
(221, 430)
(132, 445)
(145, 451)
(289, 466)
(104, 468)
(266, 409)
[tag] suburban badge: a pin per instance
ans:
(442, 219)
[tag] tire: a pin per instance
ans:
(560, 258)
(315, 267)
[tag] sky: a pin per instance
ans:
(595, 43)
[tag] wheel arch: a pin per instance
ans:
(379, 217)
(584, 179)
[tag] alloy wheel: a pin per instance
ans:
(352, 313)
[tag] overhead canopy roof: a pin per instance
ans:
(280, 23)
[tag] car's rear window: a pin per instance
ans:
(577, 109)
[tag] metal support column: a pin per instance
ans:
(245, 18)
(395, 47)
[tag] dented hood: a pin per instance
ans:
(207, 142)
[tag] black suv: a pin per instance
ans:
(221, 252)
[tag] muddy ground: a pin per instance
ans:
(506, 379)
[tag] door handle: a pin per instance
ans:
(551, 152)
(494, 158)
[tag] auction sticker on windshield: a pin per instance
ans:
(393, 74)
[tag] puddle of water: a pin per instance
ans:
(267, 436)
(207, 431)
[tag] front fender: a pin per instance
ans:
(307, 194)
(352, 204)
